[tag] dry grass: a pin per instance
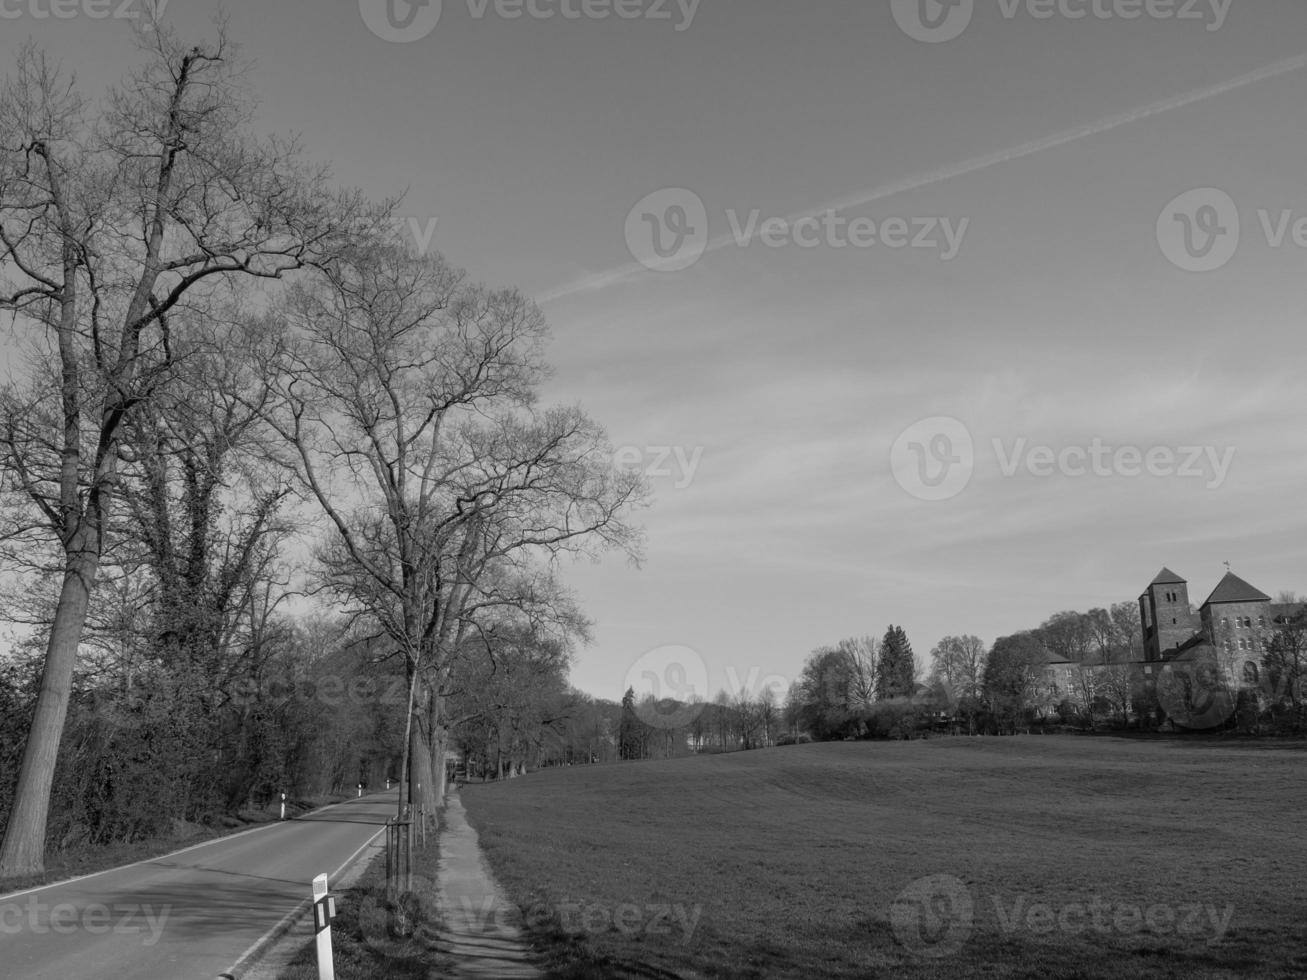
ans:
(798, 859)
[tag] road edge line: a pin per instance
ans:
(274, 935)
(184, 850)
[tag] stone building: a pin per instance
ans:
(1231, 628)
(1196, 663)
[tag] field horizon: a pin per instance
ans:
(1026, 856)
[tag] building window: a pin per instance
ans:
(1243, 644)
(1250, 673)
(1224, 622)
(1261, 620)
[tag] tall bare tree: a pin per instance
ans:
(111, 223)
(409, 397)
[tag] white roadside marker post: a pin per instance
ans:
(324, 910)
(360, 790)
(283, 806)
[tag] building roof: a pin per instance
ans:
(1168, 577)
(1232, 588)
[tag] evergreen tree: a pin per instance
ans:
(630, 736)
(896, 670)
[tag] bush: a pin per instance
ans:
(897, 719)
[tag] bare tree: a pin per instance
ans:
(861, 653)
(409, 399)
(109, 227)
(958, 666)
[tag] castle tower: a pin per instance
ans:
(1167, 618)
(1236, 619)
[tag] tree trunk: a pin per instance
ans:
(23, 852)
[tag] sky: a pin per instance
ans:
(951, 327)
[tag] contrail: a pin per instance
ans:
(609, 277)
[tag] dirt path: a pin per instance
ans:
(483, 936)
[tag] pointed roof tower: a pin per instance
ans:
(1167, 577)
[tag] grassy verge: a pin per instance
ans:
(77, 861)
(366, 945)
(997, 858)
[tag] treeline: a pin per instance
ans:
(253, 434)
(663, 728)
(860, 689)
(1077, 669)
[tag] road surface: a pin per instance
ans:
(186, 916)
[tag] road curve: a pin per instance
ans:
(184, 916)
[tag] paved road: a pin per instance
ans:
(188, 916)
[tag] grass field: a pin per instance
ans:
(1025, 857)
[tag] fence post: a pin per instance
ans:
(390, 858)
(324, 910)
(283, 806)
